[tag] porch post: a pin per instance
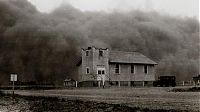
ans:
(76, 83)
(99, 83)
(129, 83)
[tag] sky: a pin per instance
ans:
(184, 8)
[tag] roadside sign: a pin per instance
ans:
(13, 77)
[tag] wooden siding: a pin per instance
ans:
(93, 61)
(126, 75)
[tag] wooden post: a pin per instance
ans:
(129, 83)
(103, 83)
(13, 87)
(119, 83)
(143, 84)
(99, 83)
(193, 83)
(103, 80)
(76, 84)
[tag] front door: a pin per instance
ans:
(101, 75)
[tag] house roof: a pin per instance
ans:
(67, 80)
(129, 57)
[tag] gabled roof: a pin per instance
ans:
(68, 79)
(129, 57)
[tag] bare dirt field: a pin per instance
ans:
(142, 98)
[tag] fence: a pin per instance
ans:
(185, 83)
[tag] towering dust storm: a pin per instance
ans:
(45, 47)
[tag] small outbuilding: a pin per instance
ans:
(69, 82)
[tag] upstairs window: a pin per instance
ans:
(145, 69)
(87, 70)
(103, 72)
(99, 71)
(87, 53)
(132, 68)
(117, 68)
(100, 53)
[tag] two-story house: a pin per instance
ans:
(99, 66)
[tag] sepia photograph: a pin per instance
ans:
(99, 56)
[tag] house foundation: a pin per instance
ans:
(116, 84)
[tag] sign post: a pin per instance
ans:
(13, 78)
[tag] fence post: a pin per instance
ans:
(76, 84)
(143, 84)
(99, 83)
(194, 83)
(129, 83)
(183, 83)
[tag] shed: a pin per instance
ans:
(69, 82)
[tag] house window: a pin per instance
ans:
(87, 70)
(145, 69)
(100, 53)
(99, 71)
(103, 72)
(87, 53)
(117, 69)
(132, 68)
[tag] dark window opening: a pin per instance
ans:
(132, 68)
(116, 82)
(87, 53)
(117, 69)
(99, 71)
(145, 69)
(87, 70)
(100, 53)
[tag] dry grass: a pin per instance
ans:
(189, 89)
(150, 98)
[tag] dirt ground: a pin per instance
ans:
(142, 98)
